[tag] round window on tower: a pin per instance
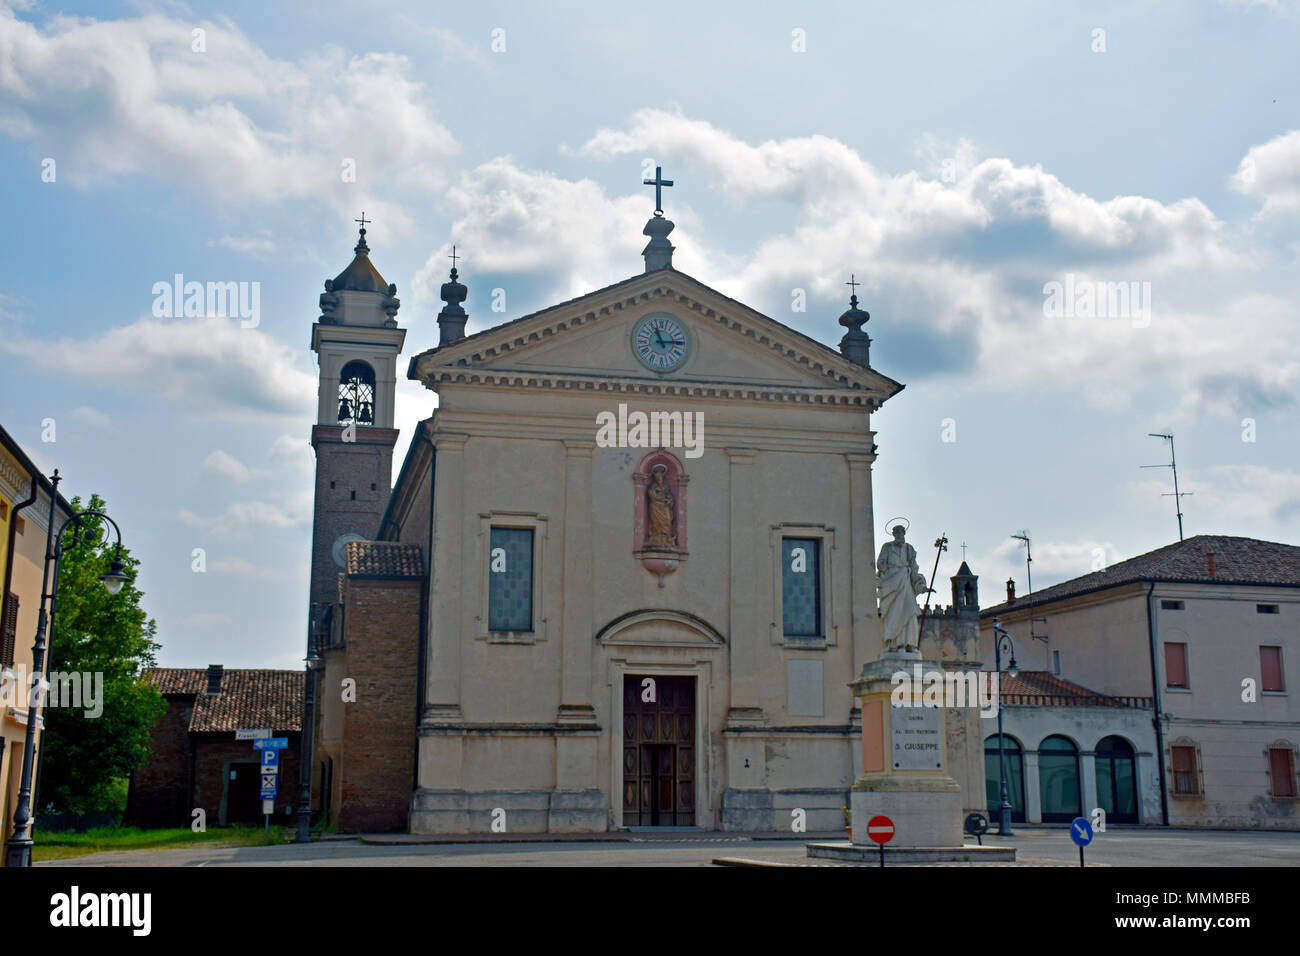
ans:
(357, 394)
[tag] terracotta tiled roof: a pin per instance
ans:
(1236, 561)
(1046, 689)
(248, 698)
(383, 559)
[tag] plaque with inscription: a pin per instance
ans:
(917, 738)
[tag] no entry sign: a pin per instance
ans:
(880, 830)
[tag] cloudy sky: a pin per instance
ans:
(958, 159)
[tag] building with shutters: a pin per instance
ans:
(25, 499)
(1206, 634)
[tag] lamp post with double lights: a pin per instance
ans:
(18, 848)
(999, 635)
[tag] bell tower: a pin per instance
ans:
(357, 341)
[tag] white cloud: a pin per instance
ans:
(243, 519)
(90, 416)
(1239, 499)
(232, 120)
(239, 567)
(227, 466)
(1270, 173)
(210, 363)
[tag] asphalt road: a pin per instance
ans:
(1041, 847)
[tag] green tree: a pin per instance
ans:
(84, 757)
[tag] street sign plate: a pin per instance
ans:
(270, 759)
(268, 806)
(1081, 831)
(247, 734)
(880, 830)
(268, 786)
(277, 743)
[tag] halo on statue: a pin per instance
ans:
(907, 525)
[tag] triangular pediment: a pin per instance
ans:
(733, 348)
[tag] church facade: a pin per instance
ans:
(625, 575)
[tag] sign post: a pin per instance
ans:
(880, 830)
(1081, 833)
(270, 748)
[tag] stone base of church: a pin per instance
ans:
(774, 811)
(508, 811)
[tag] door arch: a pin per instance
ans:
(1058, 779)
(1117, 780)
(1015, 778)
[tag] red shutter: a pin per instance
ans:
(9, 639)
(1175, 665)
(1282, 771)
(1270, 667)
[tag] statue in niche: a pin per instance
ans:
(660, 511)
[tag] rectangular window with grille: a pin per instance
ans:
(801, 587)
(1270, 667)
(1185, 777)
(510, 579)
(1175, 665)
(1281, 771)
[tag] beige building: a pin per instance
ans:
(624, 578)
(25, 497)
(1209, 628)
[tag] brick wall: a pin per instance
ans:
(157, 797)
(214, 753)
(376, 766)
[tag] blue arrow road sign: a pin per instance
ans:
(1081, 831)
(276, 743)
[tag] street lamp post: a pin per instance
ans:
(18, 848)
(305, 739)
(999, 635)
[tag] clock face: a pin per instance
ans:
(661, 342)
(340, 543)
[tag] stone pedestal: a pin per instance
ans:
(904, 760)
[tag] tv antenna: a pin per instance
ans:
(1023, 536)
(1176, 495)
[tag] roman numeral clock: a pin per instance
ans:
(661, 342)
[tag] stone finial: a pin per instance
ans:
(659, 251)
(856, 344)
(452, 318)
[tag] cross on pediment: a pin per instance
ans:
(658, 183)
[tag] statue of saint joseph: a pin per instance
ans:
(898, 582)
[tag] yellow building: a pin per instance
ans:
(24, 518)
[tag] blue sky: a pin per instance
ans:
(956, 157)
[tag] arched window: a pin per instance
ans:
(1015, 778)
(357, 394)
(1058, 780)
(1116, 780)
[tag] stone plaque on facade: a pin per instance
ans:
(917, 738)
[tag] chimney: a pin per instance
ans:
(214, 679)
(1011, 590)
(1209, 556)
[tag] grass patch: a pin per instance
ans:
(56, 845)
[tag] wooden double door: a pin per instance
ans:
(658, 751)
